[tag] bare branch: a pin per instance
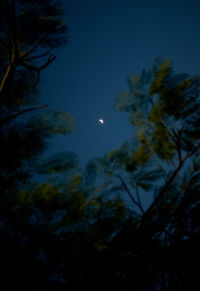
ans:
(39, 56)
(38, 69)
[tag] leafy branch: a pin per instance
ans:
(169, 182)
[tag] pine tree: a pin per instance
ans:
(29, 33)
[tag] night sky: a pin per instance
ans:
(109, 40)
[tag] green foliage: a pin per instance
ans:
(57, 122)
(75, 209)
(164, 70)
(58, 163)
(163, 112)
(162, 145)
(156, 114)
(142, 155)
(74, 184)
(44, 197)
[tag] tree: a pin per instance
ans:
(41, 223)
(160, 239)
(29, 33)
(164, 107)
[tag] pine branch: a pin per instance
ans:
(34, 48)
(7, 119)
(51, 58)
(168, 183)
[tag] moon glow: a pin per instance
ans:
(101, 121)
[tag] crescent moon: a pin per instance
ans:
(101, 121)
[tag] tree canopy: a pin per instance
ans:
(77, 229)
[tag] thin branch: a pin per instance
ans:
(36, 81)
(7, 73)
(164, 189)
(176, 139)
(39, 56)
(51, 58)
(139, 200)
(192, 152)
(11, 35)
(127, 190)
(37, 45)
(7, 119)
(38, 69)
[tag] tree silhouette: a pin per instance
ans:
(156, 243)
(29, 32)
(164, 108)
(76, 229)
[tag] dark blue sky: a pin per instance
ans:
(111, 39)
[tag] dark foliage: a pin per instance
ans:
(76, 230)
